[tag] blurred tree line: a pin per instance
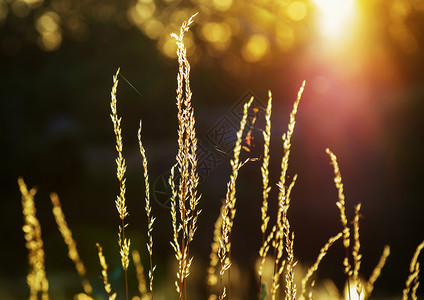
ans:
(57, 59)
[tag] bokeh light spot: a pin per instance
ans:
(153, 28)
(256, 48)
(216, 32)
(50, 32)
(50, 41)
(222, 5)
(297, 10)
(167, 46)
(173, 2)
(141, 12)
(33, 3)
(48, 22)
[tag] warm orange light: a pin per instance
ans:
(297, 10)
(222, 5)
(353, 292)
(256, 48)
(335, 16)
(285, 35)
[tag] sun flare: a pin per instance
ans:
(334, 16)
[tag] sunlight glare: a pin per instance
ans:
(352, 293)
(334, 16)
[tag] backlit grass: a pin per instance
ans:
(277, 276)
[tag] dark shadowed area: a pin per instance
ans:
(364, 99)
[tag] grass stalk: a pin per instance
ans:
(142, 289)
(355, 252)
(184, 215)
(289, 241)
(414, 269)
(369, 286)
(263, 251)
(148, 209)
(283, 227)
(187, 165)
(105, 277)
(342, 208)
(36, 278)
(223, 249)
(314, 267)
(70, 242)
(263, 254)
(212, 279)
(231, 186)
(123, 242)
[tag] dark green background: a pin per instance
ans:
(56, 132)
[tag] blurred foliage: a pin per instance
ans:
(364, 97)
(240, 32)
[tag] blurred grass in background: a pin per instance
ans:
(364, 101)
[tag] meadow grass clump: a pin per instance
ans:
(228, 212)
(150, 221)
(142, 289)
(314, 267)
(36, 278)
(185, 222)
(70, 242)
(121, 167)
(103, 264)
(278, 237)
(354, 284)
(412, 282)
